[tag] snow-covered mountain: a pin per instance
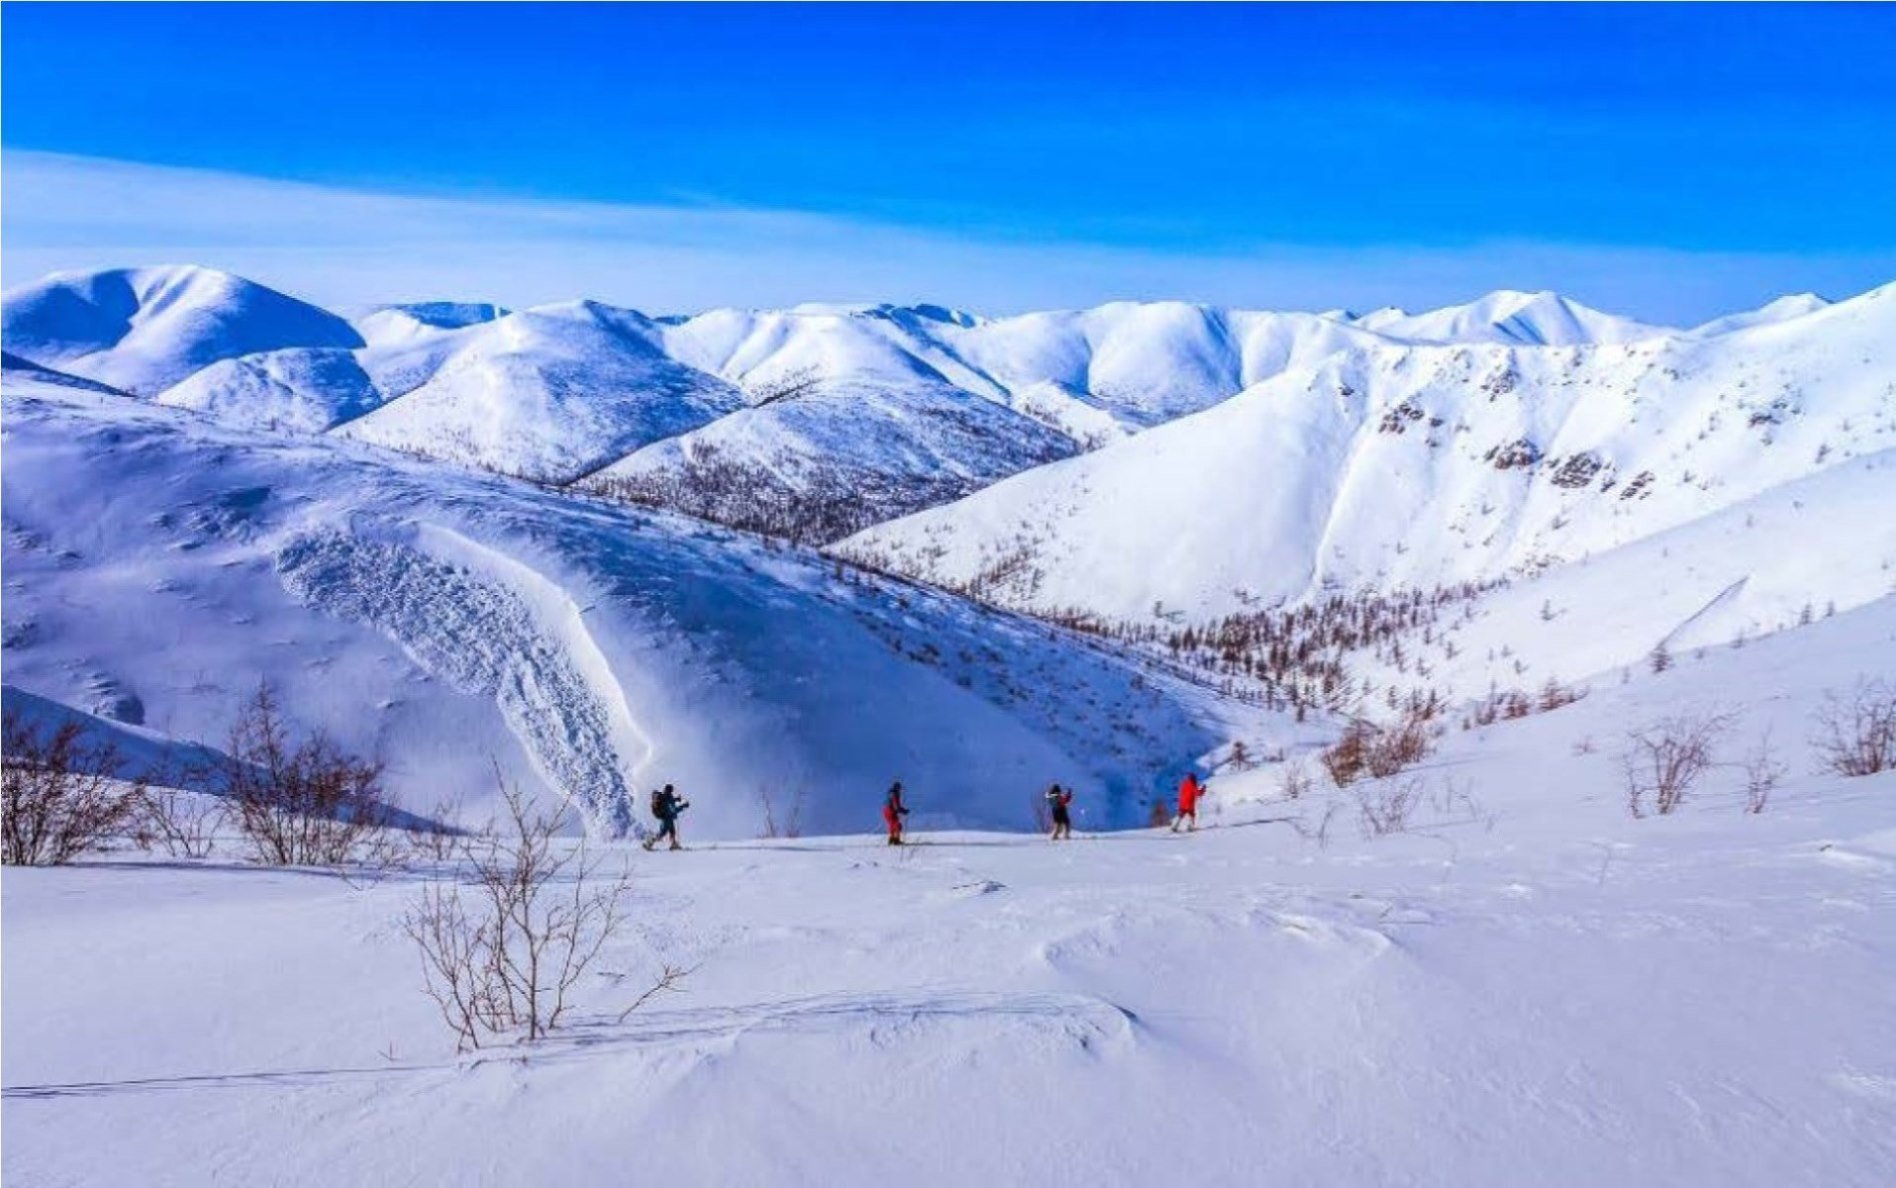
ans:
(1507, 316)
(1157, 463)
(391, 323)
(909, 406)
(300, 389)
(1422, 466)
(159, 565)
(1794, 305)
(142, 330)
(551, 393)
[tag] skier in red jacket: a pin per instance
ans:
(1188, 794)
(893, 810)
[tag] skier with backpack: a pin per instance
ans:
(1058, 800)
(893, 810)
(1188, 793)
(666, 806)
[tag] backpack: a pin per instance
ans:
(658, 802)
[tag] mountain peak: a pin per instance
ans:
(144, 329)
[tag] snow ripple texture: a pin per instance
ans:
(482, 639)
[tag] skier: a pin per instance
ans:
(1188, 794)
(893, 810)
(1058, 799)
(666, 806)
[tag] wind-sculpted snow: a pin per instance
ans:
(481, 638)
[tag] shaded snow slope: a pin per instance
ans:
(393, 322)
(143, 329)
(1422, 466)
(140, 752)
(444, 618)
(14, 365)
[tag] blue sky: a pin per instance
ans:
(987, 156)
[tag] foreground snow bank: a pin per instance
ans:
(1540, 992)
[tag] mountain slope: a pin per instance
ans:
(1794, 305)
(142, 330)
(14, 365)
(1146, 363)
(549, 393)
(822, 420)
(1418, 466)
(300, 390)
(449, 620)
(845, 427)
(1508, 316)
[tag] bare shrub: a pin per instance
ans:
(1347, 759)
(815, 508)
(1319, 833)
(1856, 734)
(502, 952)
(1400, 746)
(438, 839)
(1763, 774)
(61, 795)
(299, 803)
(1384, 807)
(182, 824)
(1295, 781)
(788, 385)
(790, 824)
(1454, 800)
(1664, 761)
(1554, 695)
(1377, 752)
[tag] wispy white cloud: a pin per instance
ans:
(344, 247)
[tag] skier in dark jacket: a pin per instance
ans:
(1059, 799)
(893, 810)
(666, 806)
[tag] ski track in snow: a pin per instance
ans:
(1717, 600)
(987, 1018)
(485, 638)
